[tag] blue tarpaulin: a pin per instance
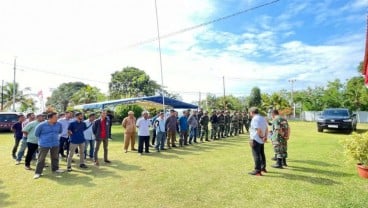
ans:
(156, 99)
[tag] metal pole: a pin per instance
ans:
(2, 95)
(15, 69)
(223, 85)
(292, 95)
(159, 50)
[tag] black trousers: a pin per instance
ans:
(143, 140)
(32, 148)
(64, 145)
(258, 156)
(153, 136)
(15, 147)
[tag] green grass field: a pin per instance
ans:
(211, 174)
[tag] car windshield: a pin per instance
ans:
(8, 118)
(335, 113)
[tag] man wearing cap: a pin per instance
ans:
(171, 128)
(221, 125)
(183, 129)
(32, 141)
(204, 125)
(143, 124)
(258, 135)
(193, 126)
(227, 123)
(214, 125)
(75, 132)
(160, 132)
(130, 131)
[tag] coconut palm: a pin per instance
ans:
(21, 96)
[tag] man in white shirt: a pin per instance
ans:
(89, 136)
(160, 132)
(143, 125)
(64, 137)
(258, 135)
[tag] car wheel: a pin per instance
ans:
(320, 129)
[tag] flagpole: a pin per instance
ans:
(159, 51)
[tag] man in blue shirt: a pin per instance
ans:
(75, 131)
(48, 140)
(18, 134)
(258, 135)
(183, 129)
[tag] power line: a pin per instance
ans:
(202, 24)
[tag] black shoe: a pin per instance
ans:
(264, 170)
(163, 149)
(284, 162)
(278, 164)
(69, 169)
(255, 173)
(14, 157)
(107, 161)
(174, 146)
(83, 166)
(195, 142)
(147, 152)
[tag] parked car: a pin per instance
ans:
(337, 119)
(7, 119)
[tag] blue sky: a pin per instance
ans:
(60, 41)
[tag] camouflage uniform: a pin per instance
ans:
(240, 118)
(214, 125)
(227, 123)
(221, 125)
(234, 124)
(199, 115)
(245, 121)
(279, 139)
(204, 120)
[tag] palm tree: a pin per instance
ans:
(20, 96)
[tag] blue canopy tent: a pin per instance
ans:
(156, 99)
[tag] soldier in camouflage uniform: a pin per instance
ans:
(199, 115)
(245, 121)
(280, 135)
(227, 123)
(214, 125)
(221, 125)
(234, 124)
(203, 122)
(240, 119)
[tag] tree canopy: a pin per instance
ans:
(61, 97)
(132, 82)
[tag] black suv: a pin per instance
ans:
(337, 119)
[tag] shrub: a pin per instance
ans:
(356, 146)
(121, 111)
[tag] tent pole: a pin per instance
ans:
(159, 50)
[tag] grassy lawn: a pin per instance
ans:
(211, 174)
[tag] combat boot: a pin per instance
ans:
(274, 158)
(278, 163)
(284, 162)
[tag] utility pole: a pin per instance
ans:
(15, 69)
(223, 85)
(292, 95)
(2, 95)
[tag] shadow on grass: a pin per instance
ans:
(319, 171)
(361, 131)
(313, 162)
(4, 196)
(309, 179)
